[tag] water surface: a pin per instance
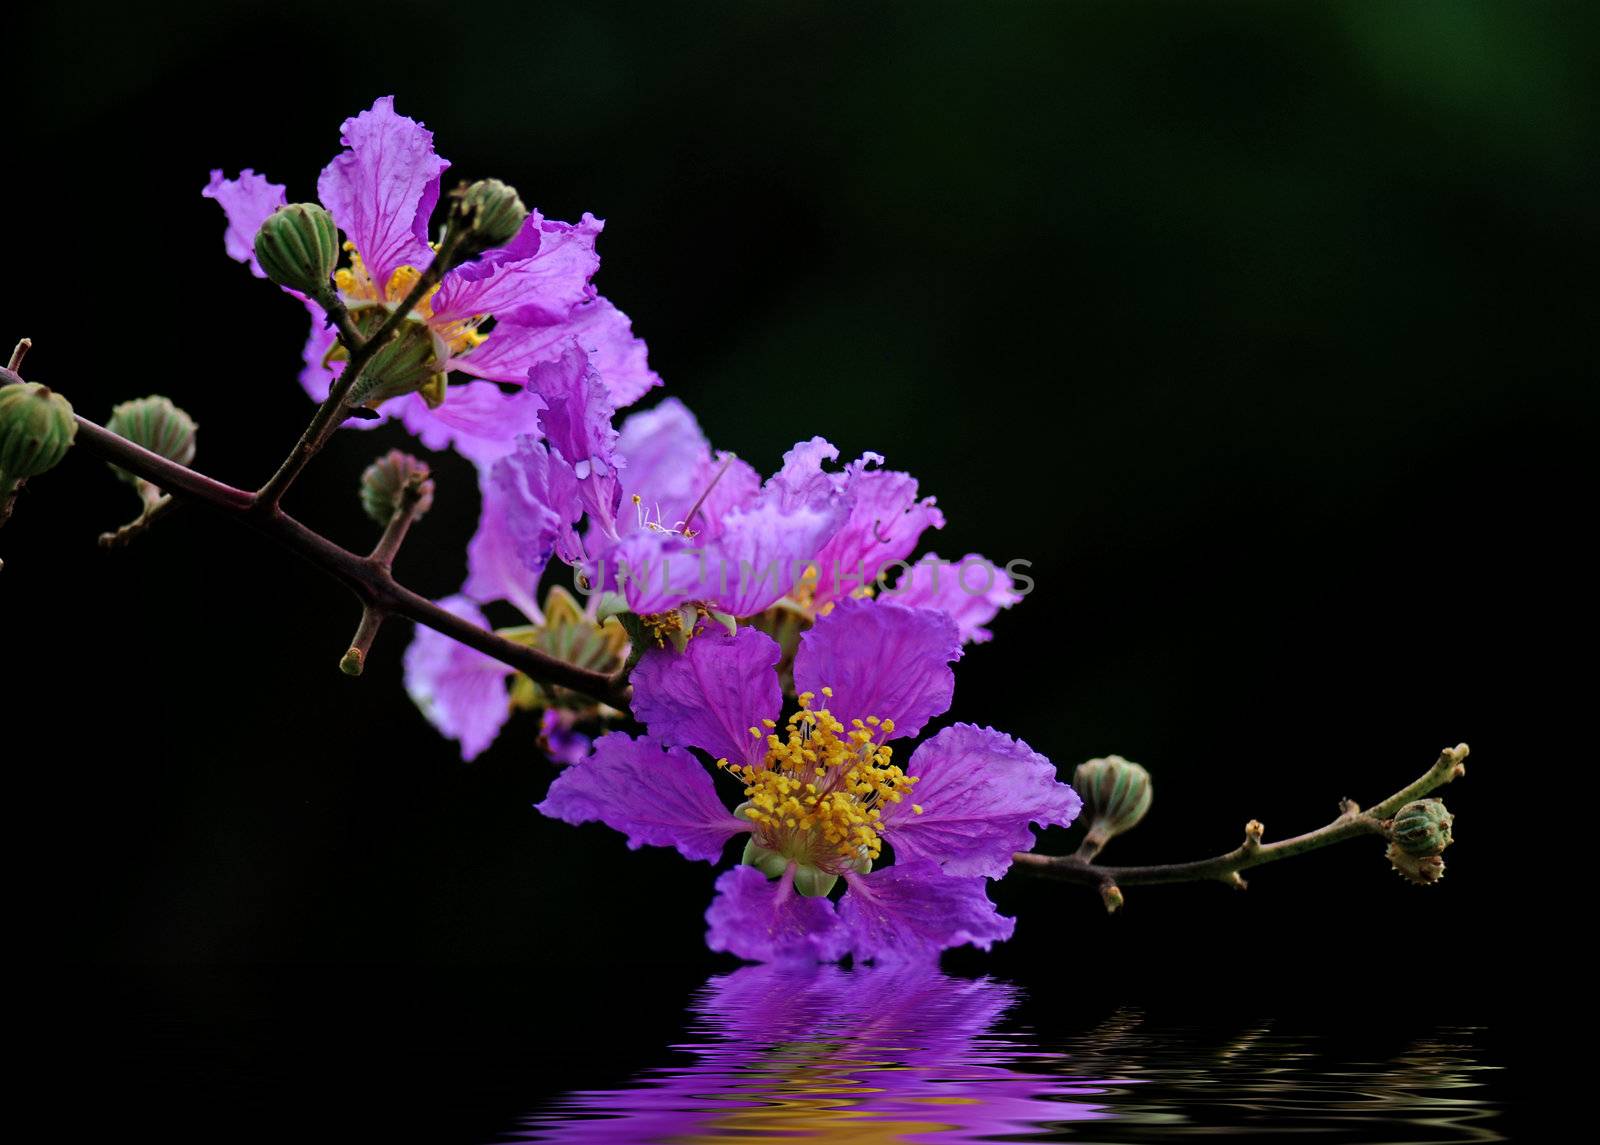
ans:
(832, 1055)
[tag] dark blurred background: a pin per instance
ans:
(1264, 331)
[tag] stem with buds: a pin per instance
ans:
(1352, 823)
(369, 577)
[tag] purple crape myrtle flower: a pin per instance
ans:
(906, 1054)
(885, 523)
(823, 795)
(669, 522)
(382, 191)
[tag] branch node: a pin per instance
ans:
(1111, 895)
(1235, 880)
(1252, 836)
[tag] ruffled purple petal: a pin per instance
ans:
(529, 503)
(382, 191)
(654, 572)
(656, 796)
(667, 456)
(971, 591)
(516, 346)
(712, 693)
(979, 790)
(623, 360)
(671, 469)
(247, 201)
(576, 421)
(544, 285)
(767, 920)
(886, 521)
(764, 550)
(801, 480)
(909, 912)
(476, 420)
(881, 659)
(461, 691)
(729, 486)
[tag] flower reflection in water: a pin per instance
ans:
(826, 1054)
(823, 1054)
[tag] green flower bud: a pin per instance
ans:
(487, 214)
(385, 481)
(158, 425)
(36, 430)
(409, 361)
(298, 247)
(1116, 794)
(1422, 827)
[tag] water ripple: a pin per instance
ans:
(824, 1054)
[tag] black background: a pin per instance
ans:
(1264, 331)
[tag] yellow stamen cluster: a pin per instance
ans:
(661, 625)
(820, 789)
(356, 284)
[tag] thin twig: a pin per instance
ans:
(394, 533)
(372, 583)
(21, 352)
(383, 554)
(332, 412)
(1352, 823)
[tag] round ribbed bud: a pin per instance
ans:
(492, 214)
(158, 425)
(36, 430)
(1116, 794)
(1422, 827)
(298, 247)
(385, 481)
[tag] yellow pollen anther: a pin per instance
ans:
(820, 789)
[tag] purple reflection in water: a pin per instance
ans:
(827, 1054)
